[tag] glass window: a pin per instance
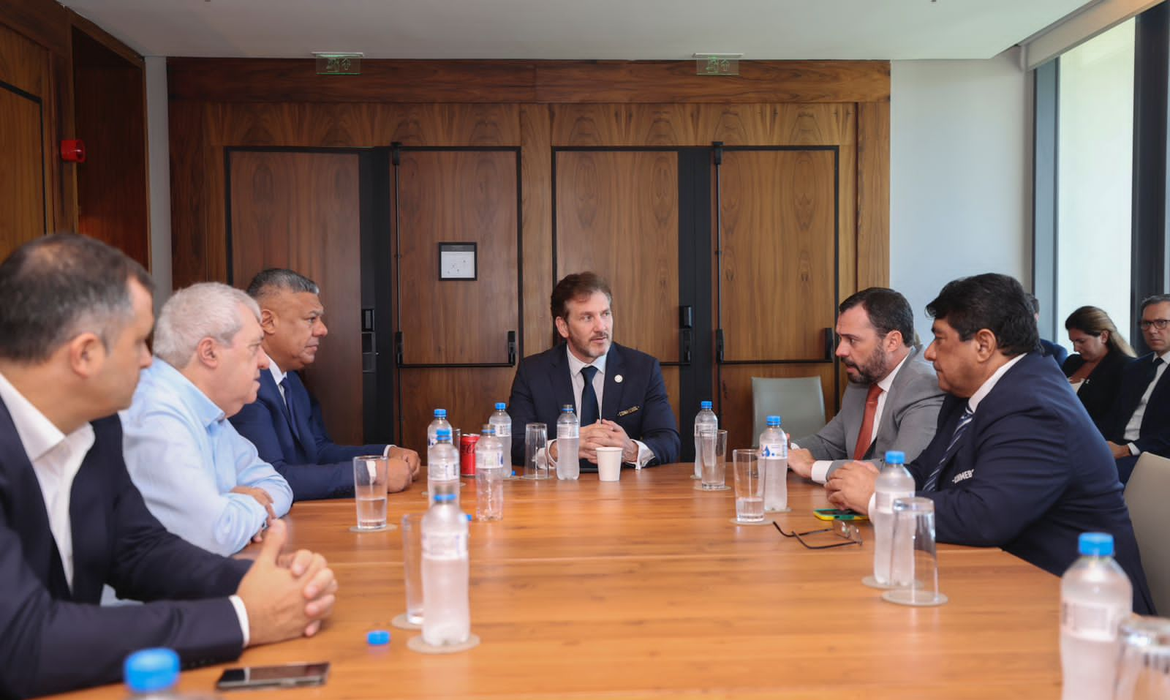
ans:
(1094, 177)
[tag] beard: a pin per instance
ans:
(870, 372)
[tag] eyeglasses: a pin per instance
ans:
(840, 528)
(1159, 323)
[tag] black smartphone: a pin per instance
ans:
(286, 676)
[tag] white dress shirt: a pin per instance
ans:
(645, 454)
(1133, 428)
(820, 467)
(56, 458)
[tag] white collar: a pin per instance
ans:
(576, 365)
(985, 389)
(37, 433)
(889, 380)
(277, 374)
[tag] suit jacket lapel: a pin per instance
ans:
(611, 400)
(298, 397)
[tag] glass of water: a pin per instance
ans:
(749, 487)
(913, 558)
(370, 476)
(713, 446)
(1143, 665)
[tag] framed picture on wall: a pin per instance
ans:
(457, 261)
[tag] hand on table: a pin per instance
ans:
(1119, 451)
(852, 485)
(398, 475)
(286, 596)
(408, 456)
(261, 497)
(801, 462)
(606, 433)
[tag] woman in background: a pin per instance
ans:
(1095, 369)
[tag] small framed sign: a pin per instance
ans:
(457, 261)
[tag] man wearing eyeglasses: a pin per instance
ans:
(1140, 420)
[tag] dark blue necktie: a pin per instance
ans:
(964, 421)
(589, 412)
(288, 402)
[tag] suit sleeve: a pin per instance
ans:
(659, 428)
(522, 409)
(51, 646)
(1019, 475)
(329, 451)
(828, 443)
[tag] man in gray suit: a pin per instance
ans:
(893, 397)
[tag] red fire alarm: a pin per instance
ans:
(73, 150)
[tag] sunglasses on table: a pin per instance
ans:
(842, 529)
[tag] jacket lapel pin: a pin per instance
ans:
(618, 379)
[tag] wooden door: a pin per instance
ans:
(457, 338)
(777, 274)
(25, 139)
(617, 214)
(301, 210)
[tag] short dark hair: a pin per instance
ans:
(1155, 299)
(575, 286)
(992, 301)
(1033, 302)
(59, 286)
(278, 278)
(887, 310)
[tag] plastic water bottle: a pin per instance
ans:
(151, 673)
(436, 425)
(774, 466)
(445, 573)
(489, 476)
(443, 465)
(893, 482)
(568, 440)
(502, 422)
(704, 419)
(1095, 597)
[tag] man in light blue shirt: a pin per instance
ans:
(199, 477)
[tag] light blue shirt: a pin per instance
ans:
(185, 458)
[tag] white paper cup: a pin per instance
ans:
(609, 463)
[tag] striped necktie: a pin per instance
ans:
(964, 421)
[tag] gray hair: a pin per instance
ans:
(204, 310)
(280, 279)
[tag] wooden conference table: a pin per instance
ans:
(643, 588)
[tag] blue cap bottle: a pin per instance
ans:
(151, 670)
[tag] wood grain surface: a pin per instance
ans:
(644, 589)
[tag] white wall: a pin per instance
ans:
(960, 174)
(159, 158)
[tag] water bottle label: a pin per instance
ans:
(432, 441)
(503, 431)
(443, 471)
(775, 450)
(884, 500)
(1090, 621)
(445, 546)
(566, 432)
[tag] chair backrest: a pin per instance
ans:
(1145, 495)
(798, 401)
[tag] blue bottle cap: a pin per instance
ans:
(444, 497)
(151, 670)
(895, 457)
(773, 421)
(1096, 544)
(377, 638)
(488, 431)
(443, 433)
(705, 405)
(501, 406)
(468, 516)
(440, 413)
(567, 408)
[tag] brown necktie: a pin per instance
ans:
(864, 437)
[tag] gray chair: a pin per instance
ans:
(798, 401)
(1146, 495)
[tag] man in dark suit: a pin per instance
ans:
(73, 333)
(1140, 419)
(1016, 462)
(285, 422)
(618, 392)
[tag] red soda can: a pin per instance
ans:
(467, 455)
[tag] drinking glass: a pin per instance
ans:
(713, 446)
(749, 487)
(535, 457)
(1143, 664)
(412, 572)
(370, 478)
(913, 559)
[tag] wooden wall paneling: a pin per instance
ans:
(44, 21)
(617, 215)
(23, 64)
(593, 125)
(28, 67)
(110, 104)
(107, 40)
(873, 194)
(301, 211)
(189, 194)
(735, 393)
(468, 394)
(458, 196)
(536, 226)
(514, 82)
(22, 183)
(778, 258)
